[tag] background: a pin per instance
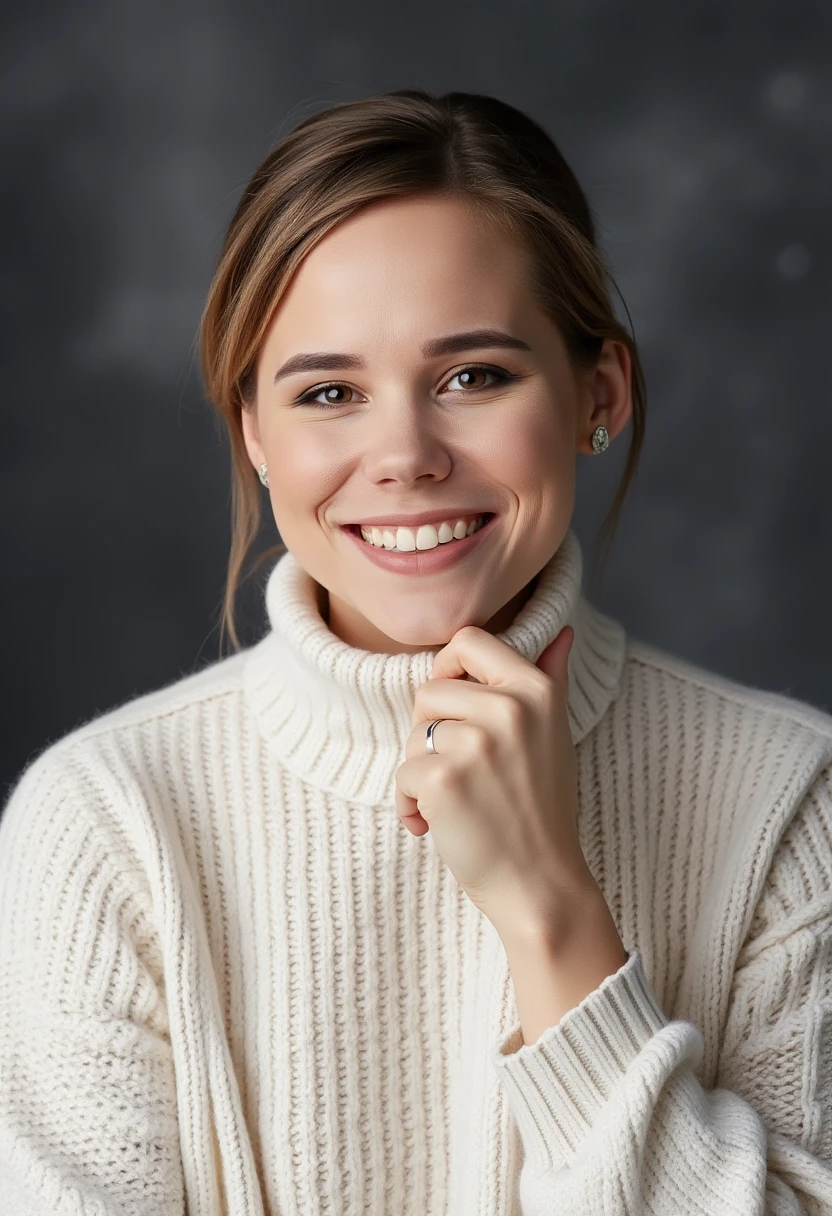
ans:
(701, 134)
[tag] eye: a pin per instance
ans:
(471, 377)
(335, 394)
(310, 397)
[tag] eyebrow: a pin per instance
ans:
(452, 344)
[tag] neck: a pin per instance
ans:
(346, 623)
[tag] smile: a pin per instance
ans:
(407, 540)
(422, 550)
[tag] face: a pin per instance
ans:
(432, 381)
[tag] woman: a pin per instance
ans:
(445, 897)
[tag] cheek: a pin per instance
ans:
(307, 467)
(537, 465)
(534, 452)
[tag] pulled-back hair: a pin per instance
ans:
(403, 143)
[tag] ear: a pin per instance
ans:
(607, 398)
(251, 434)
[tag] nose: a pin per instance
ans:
(403, 443)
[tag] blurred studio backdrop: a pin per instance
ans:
(701, 134)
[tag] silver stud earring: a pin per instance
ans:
(263, 474)
(600, 440)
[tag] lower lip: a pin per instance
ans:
(422, 561)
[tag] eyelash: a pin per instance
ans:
(502, 377)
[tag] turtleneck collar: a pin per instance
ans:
(339, 717)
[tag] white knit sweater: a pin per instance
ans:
(233, 984)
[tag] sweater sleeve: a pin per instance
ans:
(611, 1114)
(88, 1111)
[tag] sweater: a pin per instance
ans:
(232, 983)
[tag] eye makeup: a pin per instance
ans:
(501, 376)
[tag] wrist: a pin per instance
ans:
(555, 963)
(570, 911)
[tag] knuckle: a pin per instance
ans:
(540, 681)
(480, 741)
(514, 712)
(466, 631)
(444, 778)
(545, 691)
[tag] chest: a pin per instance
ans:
(363, 997)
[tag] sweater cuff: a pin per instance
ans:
(557, 1085)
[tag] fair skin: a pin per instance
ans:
(415, 429)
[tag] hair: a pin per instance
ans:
(403, 143)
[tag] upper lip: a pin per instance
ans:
(415, 519)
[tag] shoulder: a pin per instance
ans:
(654, 672)
(221, 679)
(737, 762)
(116, 756)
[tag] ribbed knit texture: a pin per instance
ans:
(233, 984)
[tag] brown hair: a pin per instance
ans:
(396, 144)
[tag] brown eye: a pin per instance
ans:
(470, 378)
(327, 395)
(474, 377)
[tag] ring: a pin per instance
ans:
(429, 740)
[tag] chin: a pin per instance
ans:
(421, 638)
(420, 634)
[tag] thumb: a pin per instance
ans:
(553, 659)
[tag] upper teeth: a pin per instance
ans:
(426, 537)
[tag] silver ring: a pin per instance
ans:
(429, 740)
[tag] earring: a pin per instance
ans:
(263, 474)
(600, 440)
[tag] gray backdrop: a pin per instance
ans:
(701, 134)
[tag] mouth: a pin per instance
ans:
(423, 539)
(440, 550)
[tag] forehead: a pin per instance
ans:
(401, 271)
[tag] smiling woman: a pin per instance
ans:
(417, 427)
(446, 896)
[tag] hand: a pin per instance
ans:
(500, 797)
